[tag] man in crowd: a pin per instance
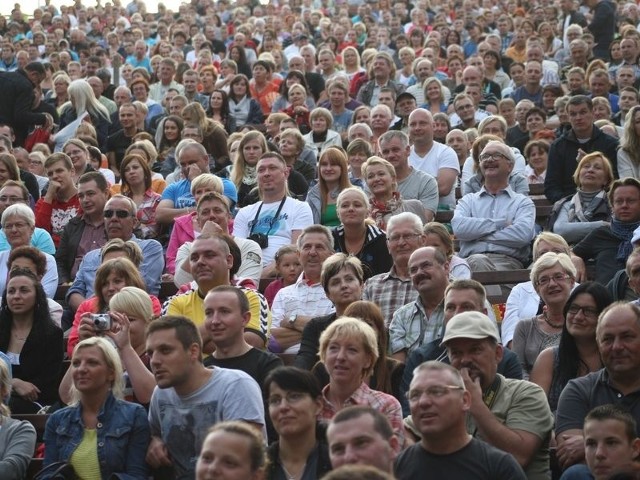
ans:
(166, 72)
(190, 397)
(118, 142)
(383, 72)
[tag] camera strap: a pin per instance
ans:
(273, 220)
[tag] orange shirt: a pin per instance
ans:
(267, 96)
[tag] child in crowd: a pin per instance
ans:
(288, 269)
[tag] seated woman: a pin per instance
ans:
(219, 110)
(537, 154)
(100, 435)
(357, 235)
(214, 136)
(19, 223)
(243, 171)
(185, 227)
(294, 77)
(32, 342)
(321, 135)
(145, 149)
(577, 353)
(291, 145)
(244, 109)
(524, 301)
(358, 151)
(239, 446)
(297, 109)
(342, 280)
(433, 96)
(168, 137)
(302, 445)
(18, 438)
(553, 276)
(351, 340)
(119, 269)
(387, 372)
(384, 198)
(575, 216)
(436, 235)
(333, 177)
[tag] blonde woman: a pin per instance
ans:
(83, 101)
(214, 135)
(243, 172)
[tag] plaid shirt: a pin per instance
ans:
(506, 41)
(384, 403)
(148, 228)
(411, 327)
(389, 292)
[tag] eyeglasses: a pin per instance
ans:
(289, 397)
(400, 237)
(493, 156)
(117, 213)
(436, 391)
(557, 278)
(586, 311)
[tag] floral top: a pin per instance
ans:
(148, 228)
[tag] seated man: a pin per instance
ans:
(496, 225)
(120, 221)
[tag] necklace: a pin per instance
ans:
(288, 475)
(552, 325)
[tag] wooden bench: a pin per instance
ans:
(500, 278)
(39, 421)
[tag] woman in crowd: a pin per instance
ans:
(384, 198)
(186, 227)
(577, 353)
(351, 343)
(551, 43)
(321, 135)
(145, 149)
(297, 109)
(19, 223)
(59, 96)
(294, 77)
(32, 342)
(99, 435)
(358, 151)
(553, 276)
(342, 279)
(537, 154)
(351, 62)
(244, 109)
(436, 235)
(167, 139)
(434, 96)
(407, 55)
(629, 151)
(82, 100)
(238, 55)
(493, 69)
(232, 450)
(219, 110)
(136, 184)
(78, 152)
(357, 235)
(214, 135)
(243, 172)
(207, 75)
(17, 437)
(575, 216)
(291, 145)
(295, 399)
(361, 114)
(333, 178)
(601, 109)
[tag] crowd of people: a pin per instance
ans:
(281, 168)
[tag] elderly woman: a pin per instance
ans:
(384, 198)
(297, 109)
(99, 435)
(349, 352)
(59, 96)
(358, 236)
(342, 279)
(294, 400)
(333, 177)
(524, 301)
(19, 223)
(575, 216)
(291, 145)
(553, 277)
(576, 354)
(186, 226)
(321, 135)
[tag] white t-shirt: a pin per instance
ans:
(440, 156)
(294, 215)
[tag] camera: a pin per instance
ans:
(101, 321)
(261, 239)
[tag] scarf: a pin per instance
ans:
(379, 210)
(595, 203)
(623, 231)
(250, 175)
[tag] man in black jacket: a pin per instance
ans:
(17, 100)
(566, 151)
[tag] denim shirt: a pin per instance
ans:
(123, 438)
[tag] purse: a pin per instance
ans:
(57, 471)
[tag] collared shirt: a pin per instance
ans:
(364, 395)
(93, 236)
(389, 292)
(147, 227)
(503, 223)
(412, 327)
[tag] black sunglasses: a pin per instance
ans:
(117, 213)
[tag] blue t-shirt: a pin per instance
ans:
(180, 193)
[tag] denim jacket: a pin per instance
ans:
(123, 438)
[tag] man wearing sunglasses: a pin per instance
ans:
(119, 222)
(495, 226)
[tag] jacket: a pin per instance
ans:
(366, 91)
(16, 104)
(123, 438)
(563, 161)
(69, 241)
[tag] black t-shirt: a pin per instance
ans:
(600, 244)
(118, 143)
(475, 461)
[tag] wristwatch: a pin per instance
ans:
(292, 319)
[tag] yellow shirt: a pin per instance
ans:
(84, 458)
